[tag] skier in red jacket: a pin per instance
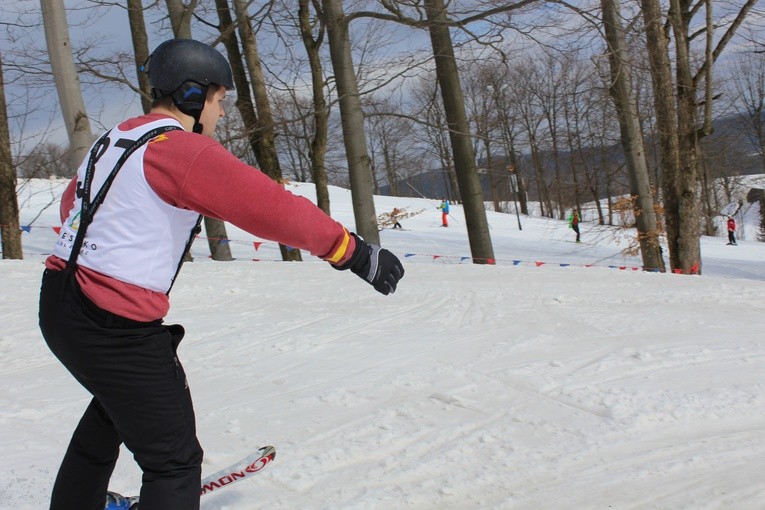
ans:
(731, 231)
(128, 218)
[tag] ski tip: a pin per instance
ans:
(242, 469)
(239, 471)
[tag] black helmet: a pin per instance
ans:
(183, 69)
(180, 60)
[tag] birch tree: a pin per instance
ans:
(67, 81)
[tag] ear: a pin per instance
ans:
(190, 97)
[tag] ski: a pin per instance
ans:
(239, 471)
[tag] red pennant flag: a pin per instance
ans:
(57, 230)
(539, 263)
(257, 244)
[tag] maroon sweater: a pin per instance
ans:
(194, 172)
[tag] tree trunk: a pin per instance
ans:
(10, 233)
(217, 238)
(180, 17)
(459, 134)
(263, 128)
(686, 179)
(707, 208)
(509, 140)
(352, 118)
(318, 147)
(67, 81)
(657, 44)
(140, 50)
(632, 139)
(681, 201)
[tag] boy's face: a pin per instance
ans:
(212, 112)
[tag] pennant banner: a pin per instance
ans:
(694, 270)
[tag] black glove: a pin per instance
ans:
(376, 265)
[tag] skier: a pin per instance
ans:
(394, 215)
(105, 288)
(573, 222)
(444, 207)
(731, 231)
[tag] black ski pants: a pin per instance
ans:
(140, 398)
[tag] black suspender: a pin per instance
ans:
(89, 207)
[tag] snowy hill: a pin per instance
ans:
(558, 378)
(541, 240)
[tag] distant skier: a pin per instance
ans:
(444, 212)
(573, 222)
(731, 231)
(395, 214)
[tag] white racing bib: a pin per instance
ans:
(135, 236)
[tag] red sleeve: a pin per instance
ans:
(67, 199)
(194, 172)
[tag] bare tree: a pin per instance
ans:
(433, 133)
(312, 33)
(749, 83)
(352, 117)
(140, 50)
(497, 78)
(678, 109)
(632, 138)
(10, 232)
(67, 81)
(531, 118)
(46, 160)
(217, 238)
(388, 136)
(464, 159)
(259, 126)
(180, 17)
(265, 151)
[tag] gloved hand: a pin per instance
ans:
(376, 265)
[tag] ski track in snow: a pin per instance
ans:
(472, 387)
(469, 397)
